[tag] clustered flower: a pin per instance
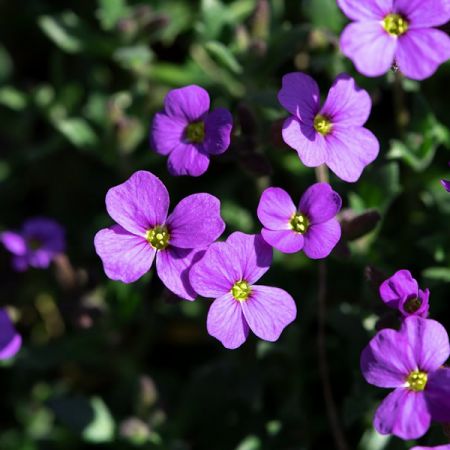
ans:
(189, 259)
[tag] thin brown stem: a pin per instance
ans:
(332, 413)
(400, 109)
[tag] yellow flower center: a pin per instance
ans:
(417, 380)
(241, 290)
(34, 243)
(395, 24)
(412, 305)
(299, 223)
(195, 132)
(158, 237)
(322, 124)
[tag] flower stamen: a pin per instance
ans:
(299, 223)
(322, 124)
(412, 305)
(241, 290)
(417, 380)
(395, 24)
(158, 237)
(195, 132)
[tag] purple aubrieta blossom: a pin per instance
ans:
(10, 340)
(439, 447)
(446, 184)
(332, 134)
(36, 244)
(385, 32)
(227, 273)
(311, 227)
(401, 291)
(188, 133)
(410, 361)
(140, 206)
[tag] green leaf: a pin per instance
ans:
(223, 56)
(101, 429)
(12, 98)
(6, 64)
(134, 58)
(77, 131)
(110, 12)
(438, 273)
(324, 14)
(62, 30)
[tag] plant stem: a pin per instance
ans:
(333, 418)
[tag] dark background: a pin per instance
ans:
(113, 366)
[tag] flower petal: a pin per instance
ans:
(422, 310)
(218, 126)
(400, 285)
(346, 103)
(226, 322)
(367, 9)
(268, 311)
(47, 231)
(309, 144)
(173, 266)
(320, 203)
(40, 259)
(188, 159)
(350, 150)
(167, 132)
(20, 263)
(125, 256)
(404, 414)
(370, 48)
(275, 209)
(437, 394)
(190, 103)
(387, 360)
(13, 242)
(321, 238)
(421, 51)
(195, 221)
(286, 241)
(10, 340)
(446, 185)
(428, 340)
(138, 204)
(215, 274)
(300, 96)
(253, 255)
(439, 447)
(420, 14)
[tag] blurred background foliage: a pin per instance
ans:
(114, 366)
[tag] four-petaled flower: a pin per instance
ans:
(140, 207)
(36, 244)
(334, 134)
(396, 31)
(312, 227)
(402, 292)
(227, 272)
(410, 361)
(188, 132)
(10, 340)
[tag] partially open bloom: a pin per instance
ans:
(410, 361)
(36, 244)
(228, 272)
(188, 133)
(396, 31)
(140, 206)
(332, 134)
(311, 227)
(402, 292)
(446, 184)
(10, 340)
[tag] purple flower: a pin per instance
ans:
(400, 31)
(334, 134)
(140, 207)
(446, 184)
(402, 292)
(10, 340)
(312, 227)
(410, 361)
(439, 447)
(36, 244)
(227, 273)
(188, 132)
